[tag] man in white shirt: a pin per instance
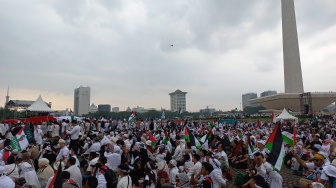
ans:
(74, 171)
(173, 171)
(93, 159)
(94, 147)
(63, 153)
(179, 150)
(64, 125)
(197, 165)
(125, 180)
(74, 134)
(73, 154)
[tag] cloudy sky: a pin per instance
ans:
(122, 50)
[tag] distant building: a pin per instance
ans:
(81, 101)
(208, 110)
(267, 93)
(104, 108)
(93, 108)
(178, 101)
(246, 99)
(128, 109)
(115, 109)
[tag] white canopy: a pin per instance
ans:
(40, 106)
(286, 116)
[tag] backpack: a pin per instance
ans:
(207, 179)
(110, 177)
(162, 176)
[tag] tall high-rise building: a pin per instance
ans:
(267, 93)
(81, 101)
(178, 101)
(246, 99)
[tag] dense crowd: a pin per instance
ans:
(164, 153)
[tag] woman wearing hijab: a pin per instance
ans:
(44, 172)
(150, 179)
(162, 170)
(295, 165)
(27, 170)
(138, 171)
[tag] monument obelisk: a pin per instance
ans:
(291, 52)
(292, 70)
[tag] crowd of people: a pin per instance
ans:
(164, 153)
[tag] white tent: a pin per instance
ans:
(39, 106)
(286, 116)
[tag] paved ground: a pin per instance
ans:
(289, 180)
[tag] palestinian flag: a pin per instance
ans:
(28, 132)
(250, 146)
(193, 141)
(290, 137)
(132, 117)
(166, 138)
(186, 134)
(290, 112)
(152, 139)
(57, 180)
(72, 115)
(275, 145)
(19, 141)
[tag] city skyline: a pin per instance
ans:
(134, 53)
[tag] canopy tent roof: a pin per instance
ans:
(39, 106)
(286, 116)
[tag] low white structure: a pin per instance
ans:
(39, 106)
(286, 116)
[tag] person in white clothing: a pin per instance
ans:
(179, 150)
(74, 171)
(74, 134)
(94, 147)
(63, 153)
(5, 181)
(38, 135)
(125, 180)
(73, 154)
(113, 157)
(11, 168)
(55, 131)
(197, 165)
(173, 171)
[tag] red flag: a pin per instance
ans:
(152, 139)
